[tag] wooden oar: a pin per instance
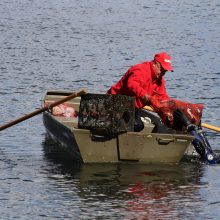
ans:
(204, 125)
(211, 127)
(25, 117)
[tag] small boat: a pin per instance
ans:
(154, 144)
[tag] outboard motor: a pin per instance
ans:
(200, 142)
(202, 145)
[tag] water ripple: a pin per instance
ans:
(72, 45)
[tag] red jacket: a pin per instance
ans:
(138, 81)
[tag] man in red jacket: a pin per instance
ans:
(144, 80)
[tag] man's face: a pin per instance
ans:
(159, 70)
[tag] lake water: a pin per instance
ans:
(72, 44)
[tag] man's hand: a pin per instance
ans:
(147, 99)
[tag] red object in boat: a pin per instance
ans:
(166, 107)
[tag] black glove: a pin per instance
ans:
(180, 120)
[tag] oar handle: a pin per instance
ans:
(27, 116)
(204, 125)
(148, 108)
(211, 127)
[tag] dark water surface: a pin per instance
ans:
(70, 44)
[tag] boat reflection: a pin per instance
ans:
(140, 191)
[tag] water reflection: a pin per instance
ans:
(133, 191)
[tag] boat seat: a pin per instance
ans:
(58, 97)
(69, 122)
(73, 123)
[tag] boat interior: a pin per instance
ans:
(151, 121)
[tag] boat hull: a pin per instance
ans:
(62, 135)
(135, 147)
